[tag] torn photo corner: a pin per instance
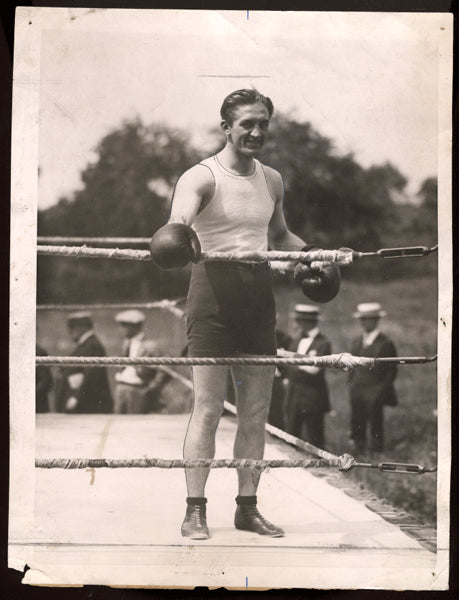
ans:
(110, 108)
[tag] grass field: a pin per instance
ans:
(411, 427)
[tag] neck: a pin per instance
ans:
(234, 162)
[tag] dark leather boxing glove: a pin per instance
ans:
(319, 285)
(174, 245)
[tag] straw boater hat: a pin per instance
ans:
(82, 316)
(133, 317)
(370, 310)
(305, 311)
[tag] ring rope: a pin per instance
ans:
(344, 361)
(344, 462)
(122, 241)
(342, 257)
(288, 437)
(400, 252)
(170, 305)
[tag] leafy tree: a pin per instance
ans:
(428, 192)
(329, 198)
(126, 192)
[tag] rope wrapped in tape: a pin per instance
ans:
(342, 257)
(168, 305)
(344, 361)
(344, 463)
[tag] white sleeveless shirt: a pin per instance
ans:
(237, 217)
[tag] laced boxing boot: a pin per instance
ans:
(194, 525)
(248, 518)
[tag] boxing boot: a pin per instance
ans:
(248, 518)
(194, 525)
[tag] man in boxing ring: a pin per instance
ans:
(231, 202)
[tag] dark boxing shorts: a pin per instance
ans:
(230, 309)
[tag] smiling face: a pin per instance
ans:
(248, 130)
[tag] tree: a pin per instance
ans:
(329, 198)
(126, 192)
(428, 192)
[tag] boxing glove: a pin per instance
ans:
(319, 285)
(174, 245)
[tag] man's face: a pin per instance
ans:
(249, 129)
(304, 326)
(76, 331)
(369, 323)
(131, 329)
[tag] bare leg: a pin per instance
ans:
(254, 388)
(209, 391)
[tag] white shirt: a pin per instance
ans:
(303, 348)
(85, 336)
(129, 373)
(369, 338)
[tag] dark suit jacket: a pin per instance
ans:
(43, 383)
(376, 384)
(310, 391)
(94, 394)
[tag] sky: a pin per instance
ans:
(369, 81)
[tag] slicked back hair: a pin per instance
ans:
(241, 98)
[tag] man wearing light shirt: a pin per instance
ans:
(138, 388)
(308, 398)
(371, 389)
(85, 389)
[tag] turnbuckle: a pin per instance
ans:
(392, 467)
(404, 252)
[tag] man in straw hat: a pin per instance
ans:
(308, 398)
(371, 389)
(138, 388)
(85, 389)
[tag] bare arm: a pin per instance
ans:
(193, 188)
(280, 237)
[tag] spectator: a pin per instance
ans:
(138, 388)
(308, 398)
(85, 389)
(277, 409)
(371, 389)
(43, 383)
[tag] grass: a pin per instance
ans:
(411, 427)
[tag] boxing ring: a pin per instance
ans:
(109, 490)
(130, 517)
